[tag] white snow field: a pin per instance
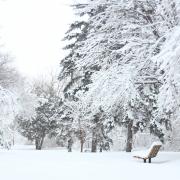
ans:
(24, 163)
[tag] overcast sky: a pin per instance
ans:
(32, 31)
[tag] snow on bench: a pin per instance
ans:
(150, 153)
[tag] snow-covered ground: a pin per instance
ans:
(24, 163)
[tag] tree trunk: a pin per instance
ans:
(101, 147)
(39, 143)
(129, 137)
(100, 150)
(82, 139)
(13, 140)
(70, 143)
(82, 144)
(94, 143)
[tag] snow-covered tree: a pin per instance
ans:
(116, 56)
(9, 82)
(168, 98)
(42, 121)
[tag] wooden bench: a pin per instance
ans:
(153, 151)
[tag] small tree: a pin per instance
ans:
(36, 128)
(43, 122)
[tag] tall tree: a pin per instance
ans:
(117, 56)
(9, 82)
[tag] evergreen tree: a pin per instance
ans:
(44, 121)
(121, 39)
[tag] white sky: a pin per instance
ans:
(32, 31)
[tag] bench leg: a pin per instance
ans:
(149, 160)
(144, 160)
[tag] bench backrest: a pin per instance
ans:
(153, 151)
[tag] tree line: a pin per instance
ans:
(122, 70)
